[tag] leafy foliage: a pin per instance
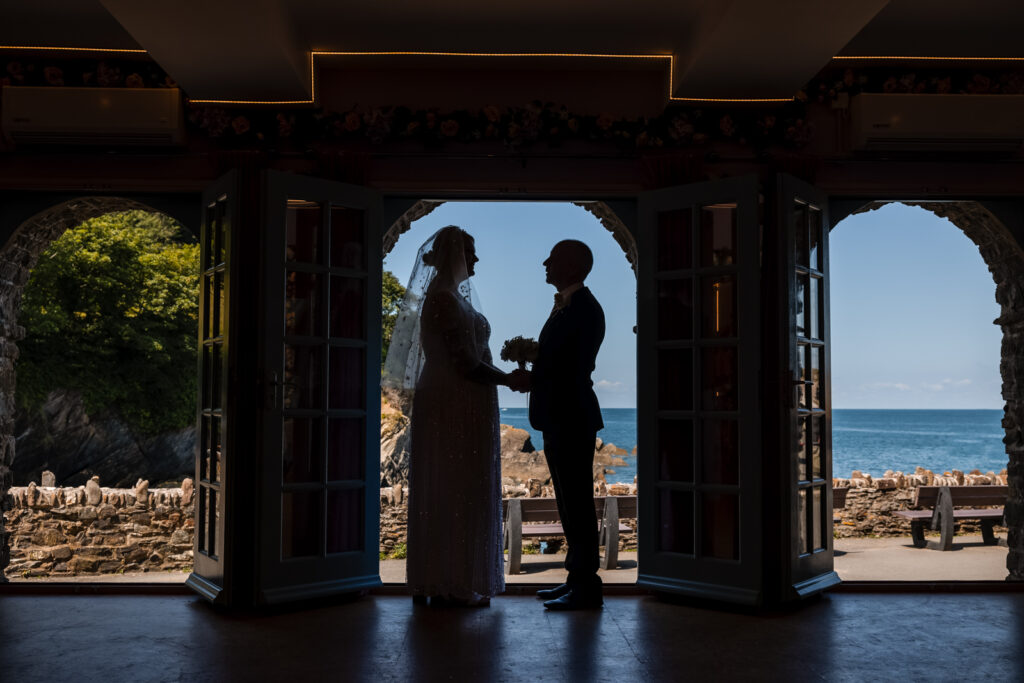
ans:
(392, 293)
(110, 311)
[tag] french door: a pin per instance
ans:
(321, 363)
(735, 444)
(220, 210)
(699, 414)
(807, 419)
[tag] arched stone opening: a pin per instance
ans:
(1004, 257)
(17, 259)
(604, 214)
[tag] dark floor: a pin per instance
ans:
(841, 637)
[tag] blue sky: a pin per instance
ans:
(912, 301)
(512, 240)
(912, 311)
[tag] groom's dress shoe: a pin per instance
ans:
(553, 593)
(576, 599)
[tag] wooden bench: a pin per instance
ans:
(839, 500)
(944, 501)
(543, 520)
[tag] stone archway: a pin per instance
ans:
(17, 259)
(605, 215)
(1004, 257)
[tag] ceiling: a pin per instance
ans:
(259, 49)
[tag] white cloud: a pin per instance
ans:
(898, 386)
(933, 387)
(605, 384)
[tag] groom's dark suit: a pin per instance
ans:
(564, 407)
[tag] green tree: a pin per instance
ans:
(392, 293)
(110, 311)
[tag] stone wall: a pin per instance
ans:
(67, 531)
(870, 502)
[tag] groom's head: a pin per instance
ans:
(570, 262)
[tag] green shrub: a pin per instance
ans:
(110, 311)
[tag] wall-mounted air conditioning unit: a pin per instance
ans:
(919, 122)
(85, 116)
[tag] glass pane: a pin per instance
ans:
(718, 235)
(720, 526)
(816, 377)
(345, 449)
(204, 446)
(675, 379)
(799, 298)
(344, 521)
(802, 372)
(817, 439)
(348, 299)
(217, 294)
(816, 527)
(302, 231)
(720, 463)
(209, 298)
(718, 309)
(212, 514)
(346, 383)
(204, 506)
(213, 367)
(675, 450)
(215, 450)
(718, 378)
(347, 245)
(301, 523)
(302, 372)
(221, 238)
(675, 239)
(302, 304)
(803, 437)
(300, 449)
(675, 510)
(817, 260)
(803, 543)
(813, 310)
(209, 232)
(675, 309)
(800, 234)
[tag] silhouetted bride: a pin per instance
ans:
(439, 351)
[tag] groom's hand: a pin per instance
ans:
(519, 380)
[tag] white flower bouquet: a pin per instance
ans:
(520, 350)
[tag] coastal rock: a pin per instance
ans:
(395, 438)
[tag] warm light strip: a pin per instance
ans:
(921, 58)
(413, 53)
(578, 55)
(71, 49)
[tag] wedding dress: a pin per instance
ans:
(440, 352)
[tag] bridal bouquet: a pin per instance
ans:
(520, 350)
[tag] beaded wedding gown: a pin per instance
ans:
(454, 547)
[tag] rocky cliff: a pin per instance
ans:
(62, 438)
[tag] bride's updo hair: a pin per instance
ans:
(447, 238)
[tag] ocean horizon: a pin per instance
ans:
(866, 439)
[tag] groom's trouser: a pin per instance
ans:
(571, 462)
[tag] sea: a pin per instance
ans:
(871, 441)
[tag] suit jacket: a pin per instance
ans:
(562, 398)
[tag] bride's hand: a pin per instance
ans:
(519, 380)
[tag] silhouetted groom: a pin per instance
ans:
(564, 408)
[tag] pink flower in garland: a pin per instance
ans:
(604, 121)
(492, 113)
(727, 126)
(54, 75)
(352, 122)
(449, 128)
(240, 125)
(134, 81)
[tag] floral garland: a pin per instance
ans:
(533, 124)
